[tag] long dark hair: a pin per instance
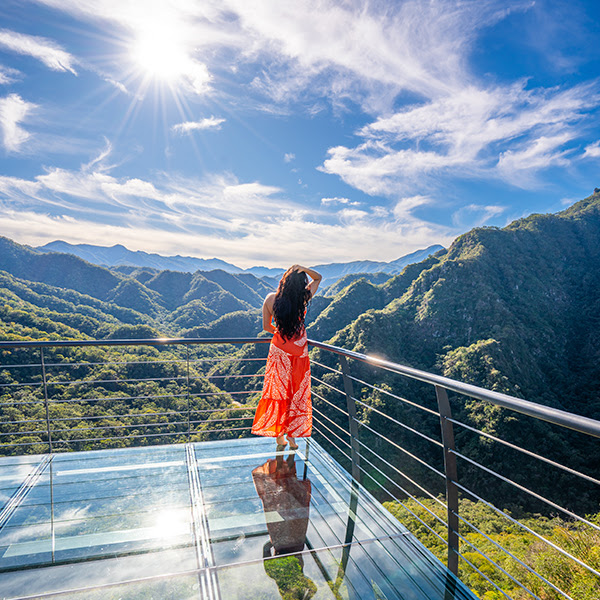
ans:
(290, 303)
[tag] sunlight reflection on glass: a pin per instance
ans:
(171, 523)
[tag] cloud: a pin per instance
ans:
(474, 215)
(42, 49)
(475, 132)
(98, 161)
(375, 50)
(354, 52)
(519, 166)
(357, 239)
(405, 206)
(214, 216)
(14, 110)
(189, 126)
(289, 157)
(8, 75)
(592, 150)
(334, 201)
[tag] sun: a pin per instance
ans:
(160, 54)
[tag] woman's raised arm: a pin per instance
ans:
(316, 278)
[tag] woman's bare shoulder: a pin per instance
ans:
(270, 299)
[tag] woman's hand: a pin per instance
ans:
(316, 278)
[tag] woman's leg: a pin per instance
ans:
(280, 440)
(292, 441)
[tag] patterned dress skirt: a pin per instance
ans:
(285, 406)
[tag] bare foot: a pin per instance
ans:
(293, 445)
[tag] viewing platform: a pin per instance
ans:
(128, 472)
(205, 520)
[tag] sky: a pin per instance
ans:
(273, 132)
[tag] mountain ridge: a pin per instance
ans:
(118, 255)
(520, 301)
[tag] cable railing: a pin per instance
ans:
(396, 480)
(418, 440)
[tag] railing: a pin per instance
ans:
(390, 425)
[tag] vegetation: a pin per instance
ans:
(488, 531)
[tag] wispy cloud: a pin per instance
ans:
(470, 133)
(592, 150)
(521, 165)
(189, 126)
(98, 162)
(339, 201)
(288, 157)
(474, 215)
(354, 51)
(214, 216)
(42, 49)
(8, 75)
(13, 111)
(405, 206)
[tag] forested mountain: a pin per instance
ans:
(514, 309)
(61, 294)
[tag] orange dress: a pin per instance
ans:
(285, 405)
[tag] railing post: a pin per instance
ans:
(451, 476)
(45, 385)
(352, 421)
(187, 362)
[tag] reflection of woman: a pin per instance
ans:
(286, 502)
(285, 406)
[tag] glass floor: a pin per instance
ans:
(212, 520)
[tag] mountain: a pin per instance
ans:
(119, 256)
(346, 280)
(333, 271)
(43, 292)
(513, 309)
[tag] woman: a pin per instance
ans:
(285, 408)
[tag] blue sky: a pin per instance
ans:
(275, 132)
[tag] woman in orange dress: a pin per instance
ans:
(285, 409)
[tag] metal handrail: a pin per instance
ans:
(538, 411)
(134, 342)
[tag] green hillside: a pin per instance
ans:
(522, 302)
(57, 294)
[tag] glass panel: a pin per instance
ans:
(277, 525)
(109, 571)
(100, 503)
(13, 472)
(289, 499)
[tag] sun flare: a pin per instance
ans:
(160, 54)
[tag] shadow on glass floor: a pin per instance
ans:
(226, 519)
